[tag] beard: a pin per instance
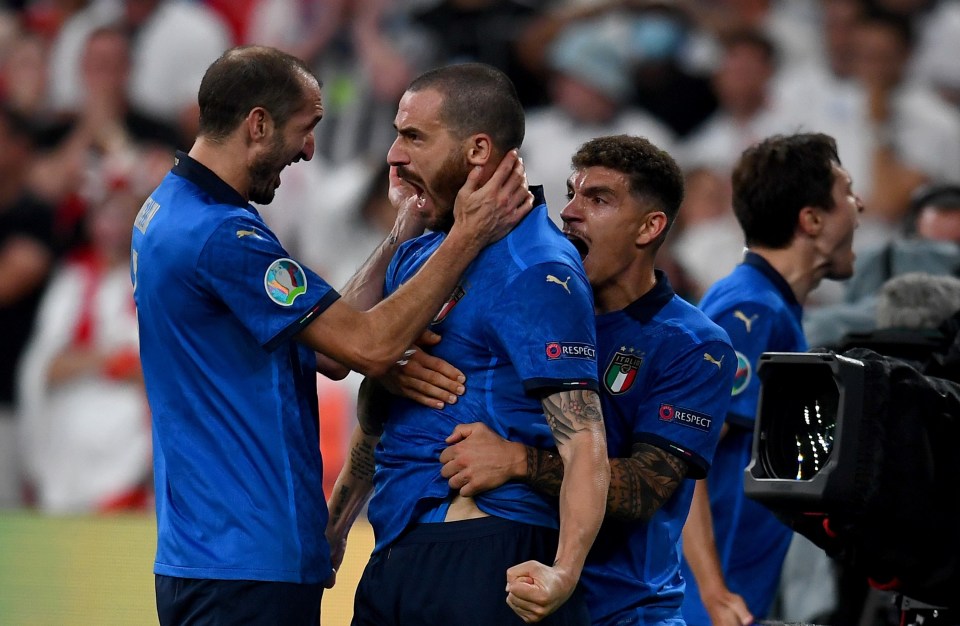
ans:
(450, 177)
(264, 172)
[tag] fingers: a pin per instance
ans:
(428, 338)
(459, 433)
(508, 167)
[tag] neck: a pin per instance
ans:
(625, 287)
(225, 160)
(796, 266)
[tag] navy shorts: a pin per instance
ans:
(201, 602)
(455, 573)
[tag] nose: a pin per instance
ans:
(396, 155)
(571, 212)
(309, 147)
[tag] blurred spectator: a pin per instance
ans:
(85, 421)
(105, 127)
(173, 43)
(24, 74)
(707, 241)
(26, 257)
(936, 25)
(917, 300)
(749, 110)
(486, 31)
(932, 245)
(590, 89)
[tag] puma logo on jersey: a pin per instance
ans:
(245, 233)
(563, 283)
(747, 321)
(709, 357)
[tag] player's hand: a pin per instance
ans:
(726, 608)
(478, 459)
(535, 590)
(424, 378)
(489, 211)
(338, 547)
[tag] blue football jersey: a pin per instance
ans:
(665, 373)
(233, 398)
(518, 325)
(760, 313)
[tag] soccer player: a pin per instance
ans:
(519, 326)
(666, 371)
(230, 331)
(796, 205)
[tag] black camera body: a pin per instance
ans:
(858, 452)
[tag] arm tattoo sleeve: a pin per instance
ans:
(568, 412)
(361, 461)
(639, 485)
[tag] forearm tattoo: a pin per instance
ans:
(362, 463)
(544, 471)
(641, 484)
(569, 412)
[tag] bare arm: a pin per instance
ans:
(372, 341)
(479, 460)
(24, 264)
(534, 589)
(355, 481)
(724, 607)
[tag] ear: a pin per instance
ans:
(259, 124)
(654, 223)
(810, 221)
(479, 149)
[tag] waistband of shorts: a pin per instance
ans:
(440, 532)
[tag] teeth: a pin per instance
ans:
(421, 201)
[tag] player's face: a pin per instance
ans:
(427, 156)
(836, 239)
(290, 143)
(603, 219)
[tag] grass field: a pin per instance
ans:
(98, 571)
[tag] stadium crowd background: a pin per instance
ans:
(96, 95)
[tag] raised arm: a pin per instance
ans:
(372, 341)
(535, 590)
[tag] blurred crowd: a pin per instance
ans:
(96, 95)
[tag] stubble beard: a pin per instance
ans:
(264, 171)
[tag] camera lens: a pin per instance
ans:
(800, 406)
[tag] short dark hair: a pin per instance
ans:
(246, 77)
(776, 178)
(653, 174)
(752, 37)
(477, 98)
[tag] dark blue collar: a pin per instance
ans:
(538, 197)
(198, 174)
(763, 266)
(649, 304)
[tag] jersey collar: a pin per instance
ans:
(198, 174)
(644, 308)
(756, 261)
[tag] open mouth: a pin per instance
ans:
(582, 248)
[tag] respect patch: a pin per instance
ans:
(685, 417)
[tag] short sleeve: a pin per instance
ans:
(271, 294)
(685, 409)
(544, 320)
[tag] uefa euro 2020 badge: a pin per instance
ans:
(284, 281)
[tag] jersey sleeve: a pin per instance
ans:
(544, 321)
(684, 411)
(271, 294)
(751, 328)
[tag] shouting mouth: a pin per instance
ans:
(579, 243)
